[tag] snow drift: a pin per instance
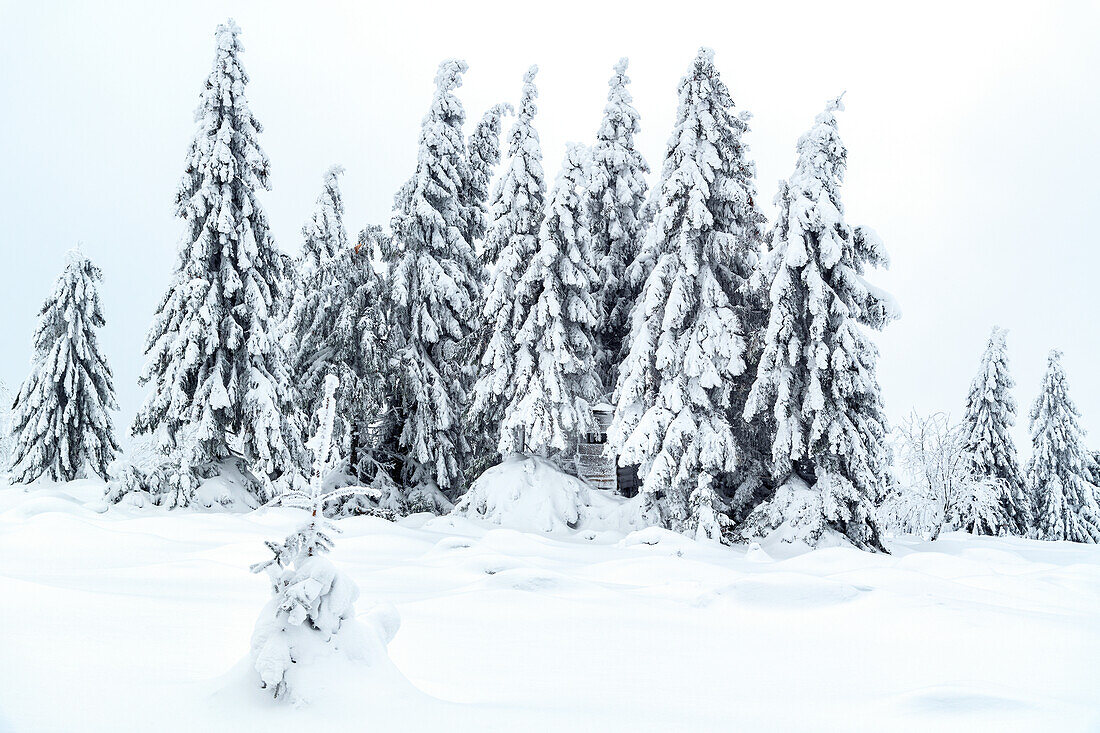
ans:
(531, 494)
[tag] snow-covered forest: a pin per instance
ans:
(554, 382)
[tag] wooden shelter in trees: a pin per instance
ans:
(599, 467)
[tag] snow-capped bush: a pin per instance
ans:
(940, 485)
(532, 494)
(822, 515)
(529, 494)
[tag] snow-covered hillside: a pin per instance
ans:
(138, 619)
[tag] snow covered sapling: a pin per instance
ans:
(312, 603)
(434, 287)
(217, 369)
(687, 338)
(816, 376)
(555, 379)
(60, 421)
(1067, 502)
(517, 213)
(987, 424)
(615, 192)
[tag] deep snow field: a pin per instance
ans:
(136, 620)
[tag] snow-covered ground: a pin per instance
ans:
(137, 619)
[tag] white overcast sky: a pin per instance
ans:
(971, 128)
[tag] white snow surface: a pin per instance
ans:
(134, 619)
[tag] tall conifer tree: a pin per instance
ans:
(817, 373)
(512, 240)
(556, 379)
(987, 429)
(336, 327)
(687, 338)
(61, 421)
(616, 190)
(434, 287)
(1067, 502)
(217, 369)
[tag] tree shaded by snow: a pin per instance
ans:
(555, 376)
(433, 287)
(60, 420)
(616, 190)
(687, 338)
(1067, 503)
(940, 485)
(817, 373)
(512, 240)
(990, 416)
(337, 326)
(217, 369)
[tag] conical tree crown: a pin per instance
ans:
(687, 341)
(987, 426)
(325, 236)
(1068, 504)
(517, 211)
(556, 380)
(434, 285)
(817, 371)
(216, 366)
(616, 190)
(61, 417)
(483, 155)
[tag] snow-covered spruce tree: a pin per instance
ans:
(1067, 503)
(336, 326)
(616, 190)
(434, 288)
(325, 236)
(217, 369)
(817, 377)
(1094, 467)
(687, 343)
(555, 377)
(482, 156)
(313, 604)
(61, 423)
(512, 240)
(987, 424)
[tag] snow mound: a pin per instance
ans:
(654, 536)
(531, 494)
(323, 675)
(785, 591)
